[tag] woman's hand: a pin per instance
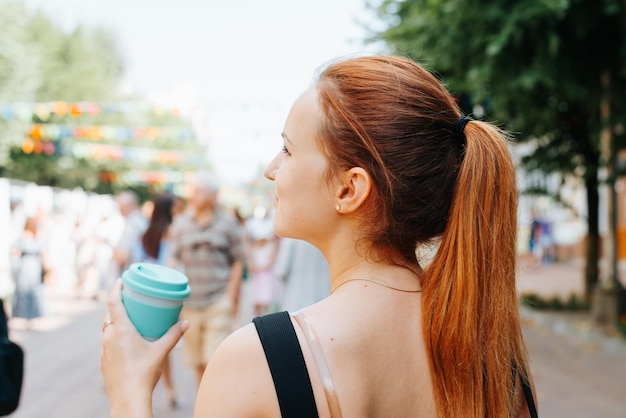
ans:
(130, 365)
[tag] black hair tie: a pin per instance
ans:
(459, 135)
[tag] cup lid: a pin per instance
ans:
(157, 281)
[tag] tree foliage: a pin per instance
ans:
(39, 61)
(540, 67)
(18, 75)
(538, 63)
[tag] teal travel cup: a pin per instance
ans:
(153, 296)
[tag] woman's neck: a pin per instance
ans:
(349, 258)
(396, 275)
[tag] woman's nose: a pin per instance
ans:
(272, 167)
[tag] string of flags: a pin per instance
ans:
(45, 110)
(134, 154)
(107, 133)
(140, 146)
(114, 152)
(155, 177)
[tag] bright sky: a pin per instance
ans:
(237, 64)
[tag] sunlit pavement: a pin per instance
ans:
(578, 369)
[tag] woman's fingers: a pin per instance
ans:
(117, 312)
(172, 336)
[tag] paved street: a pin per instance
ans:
(579, 371)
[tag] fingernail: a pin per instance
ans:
(184, 325)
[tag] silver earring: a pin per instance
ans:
(338, 208)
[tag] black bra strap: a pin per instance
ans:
(287, 365)
(528, 393)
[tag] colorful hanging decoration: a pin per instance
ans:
(134, 154)
(75, 110)
(157, 177)
(36, 132)
(56, 132)
(59, 108)
(28, 146)
(143, 148)
(39, 147)
(44, 110)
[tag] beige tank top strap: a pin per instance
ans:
(321, 364)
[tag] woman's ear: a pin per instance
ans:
(354, 188)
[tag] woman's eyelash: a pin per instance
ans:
(285, 150)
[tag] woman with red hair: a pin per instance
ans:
(377, 162)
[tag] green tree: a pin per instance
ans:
(18, 54)
(53, 170)
(84, 64)
(18, 69)
(543, 67)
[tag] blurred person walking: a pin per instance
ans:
(85, 263)
(242, 311)
(154, 247)
(207, 244)
(304, 273)
(107, 231)
(535, 247)
(58, 230)
(134, 226)
(261, 256)
(27, 252)
(179, 206)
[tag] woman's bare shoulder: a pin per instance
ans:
(237, 381)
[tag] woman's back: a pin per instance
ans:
(376, 357)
